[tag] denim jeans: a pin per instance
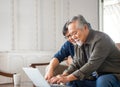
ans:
(108, 80)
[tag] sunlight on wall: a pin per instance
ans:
(112, 19)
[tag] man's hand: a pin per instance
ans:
(48, 75)
(53, 80)
(62, 79)
(51, 67)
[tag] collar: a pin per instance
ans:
(90, 36)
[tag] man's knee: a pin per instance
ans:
(106, 80)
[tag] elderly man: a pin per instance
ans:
(97, 60)
(66, 51)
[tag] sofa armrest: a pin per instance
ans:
(38, 64)
(118, 45)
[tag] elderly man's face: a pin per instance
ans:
(77, 34)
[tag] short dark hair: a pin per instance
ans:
(65, 29)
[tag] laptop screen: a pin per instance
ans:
(36, 77)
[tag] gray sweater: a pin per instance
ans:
(102, 54)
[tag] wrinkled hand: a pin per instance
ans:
(63, 79)
(59, 79)
(53, 80)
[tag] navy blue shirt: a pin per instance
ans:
(66, 50)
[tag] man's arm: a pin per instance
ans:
(66, 50)
(58, 57)
(53, 64)
(50, 72)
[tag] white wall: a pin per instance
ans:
(5, 25)
(88, 8)
(37, 24)
(33, 26)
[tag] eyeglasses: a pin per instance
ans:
(70, 35)
(67, 37)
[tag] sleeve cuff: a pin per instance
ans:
(78, 74)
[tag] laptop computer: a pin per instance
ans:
(38, 80)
